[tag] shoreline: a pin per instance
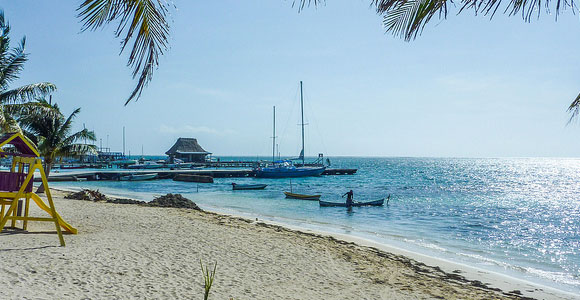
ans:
(507, 285)
(470, 274)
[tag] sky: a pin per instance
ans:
(467, 87)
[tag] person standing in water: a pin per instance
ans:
(349, 196)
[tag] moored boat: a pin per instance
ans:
(146, 165)
(302, 196)
(285, 169)
(138, 177)
(193, 178)
(236, 186)
(379, 202)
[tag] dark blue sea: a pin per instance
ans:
(516, 216)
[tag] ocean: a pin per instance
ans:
(516, 216)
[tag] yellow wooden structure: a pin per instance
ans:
(16, 186)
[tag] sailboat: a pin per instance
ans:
(285, 168)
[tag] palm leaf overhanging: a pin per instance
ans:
(407, 18)
(141, 21)
(11, 64)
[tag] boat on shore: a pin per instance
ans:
(379, 202)
(140, 177)
(302, 196)
(237, 187)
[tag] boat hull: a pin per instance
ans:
(241, 187)
(288, 172)
(302, 196)
(145, 167)
(193, 178)
(138, 177)
(355, 204)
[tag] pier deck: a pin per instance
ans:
(93, 175)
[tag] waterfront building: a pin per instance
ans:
(187, 150)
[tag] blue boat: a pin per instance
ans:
(379, 202)
(285, 169)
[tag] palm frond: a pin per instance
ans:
(301, 4)
(84, 134)
(76, 150)
(29, 112)
(7, 121)
(65, 127)
(407, 18)
(26, 93)
(141, 21)
(574, 109)
(12, 65)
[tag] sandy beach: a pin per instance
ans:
(133, 252)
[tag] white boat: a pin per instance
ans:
(138, 177)
(146, 165)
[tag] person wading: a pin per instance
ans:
(349, 196)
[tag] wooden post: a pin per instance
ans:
(49, 197)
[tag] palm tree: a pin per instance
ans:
(140, 21)
(52, 133)
(407, 18)
(11, 64)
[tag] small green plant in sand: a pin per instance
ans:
(208, 277)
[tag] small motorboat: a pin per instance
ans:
(302, 196)
(140, 177)
(379, 202)
(193, 178)
(236, 186)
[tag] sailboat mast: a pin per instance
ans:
(274, 138)
(123, 142)
(302, 113)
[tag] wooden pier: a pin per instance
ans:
(339, 171)
(95, 175)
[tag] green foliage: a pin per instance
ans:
(208, 277)
(140, 21)
(52, 132)
(14, 100)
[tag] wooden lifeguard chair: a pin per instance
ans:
(16, 186)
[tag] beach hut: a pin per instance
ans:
(16, 186)
(188, 150)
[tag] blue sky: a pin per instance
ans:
(467, 87)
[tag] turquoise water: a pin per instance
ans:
(520, 217)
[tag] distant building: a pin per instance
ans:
(188, 150)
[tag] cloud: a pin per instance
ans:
(188, 129)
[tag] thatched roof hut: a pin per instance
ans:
(188, 150)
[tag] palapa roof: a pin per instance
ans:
(186, 146)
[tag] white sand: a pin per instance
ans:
(135, 252)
